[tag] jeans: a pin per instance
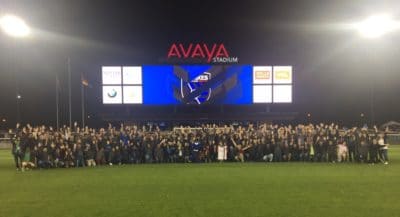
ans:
(79, 161)
(18, 160)
(44, 164)
(384, 155)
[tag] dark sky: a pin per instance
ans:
(336, 71)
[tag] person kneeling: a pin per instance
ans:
(44, 161)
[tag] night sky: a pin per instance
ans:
(335, 70)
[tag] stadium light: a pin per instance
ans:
(376, 26)
(14, 26)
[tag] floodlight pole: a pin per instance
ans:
(17, 89)
(69, 91)
(57, 102)
(83, 103)
(372, 106)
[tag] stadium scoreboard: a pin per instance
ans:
(197, 84)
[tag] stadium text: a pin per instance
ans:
(217, 52)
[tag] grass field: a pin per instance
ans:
(228, 189)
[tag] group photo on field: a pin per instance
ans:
(155, 108)
(44, 147)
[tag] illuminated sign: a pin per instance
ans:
(215, 53)
(197, 84)
(111, 74)
(262, 74)
(282, 74)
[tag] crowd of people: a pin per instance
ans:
(46, 147)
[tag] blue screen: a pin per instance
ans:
(197, 84)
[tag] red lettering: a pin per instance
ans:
(208, 52)
(187, 53)
(221, 51)
(173, 51)
(198, 52)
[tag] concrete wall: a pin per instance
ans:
(5, 144)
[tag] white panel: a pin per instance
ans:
(262, 74)
(111, 74)
(282, 93)
(112, 95)
(262, 94)
(133, 95)
(132, 74)
(282, 74)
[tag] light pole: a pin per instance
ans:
(375, 27)
(16, 28)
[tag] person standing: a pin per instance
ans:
(78, 154)
(332, 149)
(277, 150)
(16, 152)
(222, 151)
(383, 150)
(196, 149)
(269, 152)
(159, 152)
(342, 151)
(318, 155)
(352, 146)
(240, 150)
(363, 150)
(89, 156)
(108, 152)
(374, 150)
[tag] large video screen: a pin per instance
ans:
(196, 84)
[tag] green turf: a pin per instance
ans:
(228, 189)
